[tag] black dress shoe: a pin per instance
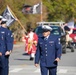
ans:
(31, 58)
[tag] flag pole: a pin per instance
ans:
(41, 12)
(16, 18)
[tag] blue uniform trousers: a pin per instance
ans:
(4, 68)
(52, 70)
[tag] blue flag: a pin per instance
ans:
(8, 15)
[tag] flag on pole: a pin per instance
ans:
(35, 9)
(27, 9)
(70, 24)
(8, 15)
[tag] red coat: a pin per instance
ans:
(31, 42)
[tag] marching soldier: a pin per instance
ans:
(48, 52)
(3, 24)
(6, 46)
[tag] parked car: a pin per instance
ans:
(56, 30)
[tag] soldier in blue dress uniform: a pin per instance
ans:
(49, 51)
(0, 19)
(6, 46)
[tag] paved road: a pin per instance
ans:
(32, 70)
(20, 64)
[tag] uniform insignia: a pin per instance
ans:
(51, 42)
(2, 32)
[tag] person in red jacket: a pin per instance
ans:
(31, 43)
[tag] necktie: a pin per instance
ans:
(45, 38)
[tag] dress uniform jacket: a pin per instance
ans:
(48, 50)
(6, 40)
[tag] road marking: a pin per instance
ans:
(16, 70)
(37, 71)
(26, 69)
(62, 71)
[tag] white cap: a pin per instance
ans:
(1, 17)
(46, 27)
(4, 21)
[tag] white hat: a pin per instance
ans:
(46, 28)
(1, 17)
(3, 21)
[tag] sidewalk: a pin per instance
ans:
(19, 44)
